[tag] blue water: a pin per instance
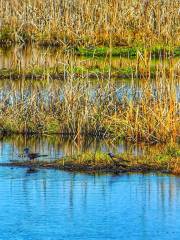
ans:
(59, 205)
(55, 205)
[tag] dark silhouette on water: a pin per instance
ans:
(32, 156)
(32, 170)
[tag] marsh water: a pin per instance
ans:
(55, 205)
(58, 205)
(58, 146)
(37, 60)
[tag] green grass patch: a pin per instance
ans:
(165, 160)
(126, 51)
(6, 35)
(106, 51)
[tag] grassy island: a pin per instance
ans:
(164, 161)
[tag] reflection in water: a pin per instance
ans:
(27, 57)
(78, 206)
(50, 91)
(57, 146)
(34, 58)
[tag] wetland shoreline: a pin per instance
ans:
(164, 161)
(141, 168)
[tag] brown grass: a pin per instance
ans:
(153, 117)
(149, 113)
(86, 22)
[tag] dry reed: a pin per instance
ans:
(87, 22)
(147, 114)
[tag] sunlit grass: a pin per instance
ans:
(88, 22)
(149, 114)
(164, 160)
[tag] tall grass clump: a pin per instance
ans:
(87, 22)
(152, 115)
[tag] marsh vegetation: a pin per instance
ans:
(80, 68)
(149, 113)
(89, 119)
(88, 22)
(87, 98)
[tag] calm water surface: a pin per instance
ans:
(55, 205)
(59, 205)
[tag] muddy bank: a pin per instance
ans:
(114, 169)
(166, 160)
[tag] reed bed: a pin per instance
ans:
(90, 22)
(79, 108)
